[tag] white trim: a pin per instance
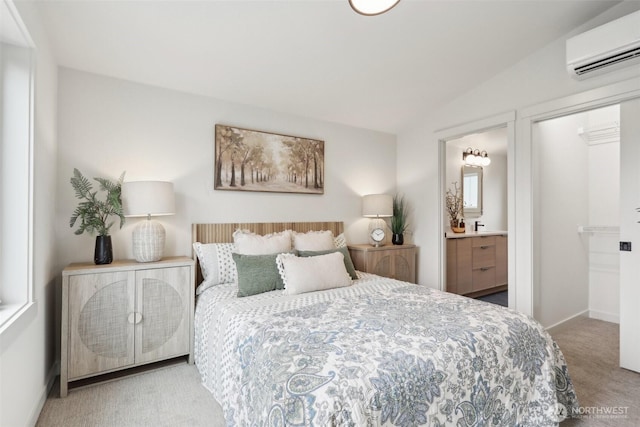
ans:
(17, 324)
(497, 121)
(12, 316)
(584, 313)
(442, 253)
(589, 100)
(37, 409)
(492, 122)
(31, 196)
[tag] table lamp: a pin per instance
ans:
(147, 199)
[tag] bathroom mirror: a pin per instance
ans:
(472, 191)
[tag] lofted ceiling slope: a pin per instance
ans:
(316, 59)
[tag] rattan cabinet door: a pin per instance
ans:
(163, 301)
(101, 333)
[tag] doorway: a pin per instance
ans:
(505, 121)
(566, 181)
(476, 261)
(576, 167)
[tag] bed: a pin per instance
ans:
(376, 352)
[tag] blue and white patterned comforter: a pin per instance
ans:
(380, 352)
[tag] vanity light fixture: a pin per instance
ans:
(372, 7)
(475, 157)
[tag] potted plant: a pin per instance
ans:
(399, 219)
(454, 205)
(93, 213)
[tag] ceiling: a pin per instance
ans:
(317, 59)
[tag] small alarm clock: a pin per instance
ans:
(377, 235)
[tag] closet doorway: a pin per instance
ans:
(586, 189)
(577, 216)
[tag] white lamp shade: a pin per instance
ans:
(377, 205)
(148, 198)
(372, 7)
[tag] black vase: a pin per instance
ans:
(397, 239)
(104, 252)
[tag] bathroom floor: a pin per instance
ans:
(499, 298)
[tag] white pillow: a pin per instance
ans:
(310, 274)
(216, 264)
(248, 243)
(314, 241)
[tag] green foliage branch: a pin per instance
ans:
(399, 222)
(93, 213)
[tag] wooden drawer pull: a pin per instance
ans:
(484, 247)
(484, 269)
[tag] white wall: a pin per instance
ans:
(107, 126)
(28, 351)
(537, 78)
(561, 204)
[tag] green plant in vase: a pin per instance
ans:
(93, 213)
(399, 222)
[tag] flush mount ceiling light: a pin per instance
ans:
(372, 7)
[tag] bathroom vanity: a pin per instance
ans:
(476, 262)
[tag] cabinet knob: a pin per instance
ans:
(134, 318)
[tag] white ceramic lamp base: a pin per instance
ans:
(148, 241)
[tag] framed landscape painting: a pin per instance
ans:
(249, 160)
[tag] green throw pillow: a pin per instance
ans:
(257, 274)
(348, 263)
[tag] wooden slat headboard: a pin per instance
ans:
(223, 233)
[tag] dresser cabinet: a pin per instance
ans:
(476, 265)
(124, 314)
(393, 261)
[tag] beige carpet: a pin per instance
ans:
(170, 396)
(592, 350)
(173, 396)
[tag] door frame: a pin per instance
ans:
(527, 261)
(520, 177)
(504, 120)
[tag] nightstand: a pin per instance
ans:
(124, 314)
(394, 261)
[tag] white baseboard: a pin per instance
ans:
(51, 378)
(603, 315)
(584, 313)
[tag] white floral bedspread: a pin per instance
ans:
(381, 352)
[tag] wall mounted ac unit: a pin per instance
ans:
(605, 48)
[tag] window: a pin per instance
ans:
(16, 115)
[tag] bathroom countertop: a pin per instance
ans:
(471, 233)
